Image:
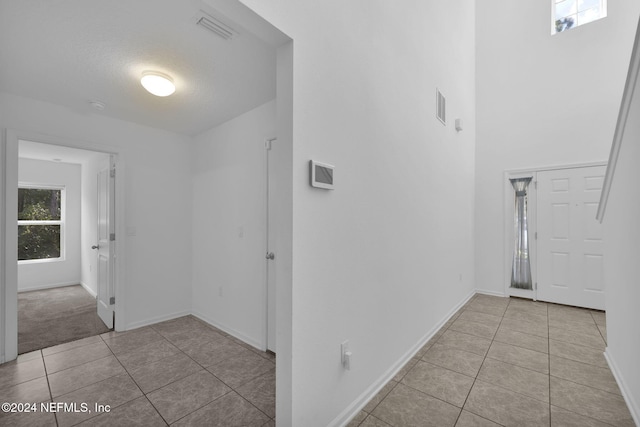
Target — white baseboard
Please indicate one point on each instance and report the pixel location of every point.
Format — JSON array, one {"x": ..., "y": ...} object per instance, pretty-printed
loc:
[
  {"x": 158, "y": 319},
  {"x": 175, "y": 315},
  {"x": 251, "y": 341},
  {"x": 491, "y": 293},
  {"x": 88, "y": 289},
  {"x": 47, "y": 286},
  {"x": 356, "y": 406},
  {"x": 632, "y": 403}
]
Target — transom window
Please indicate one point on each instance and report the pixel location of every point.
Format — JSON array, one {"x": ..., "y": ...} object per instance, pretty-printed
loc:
[
  {"x": 567, "y": 14},
  {"x": 40, "y": 223}
]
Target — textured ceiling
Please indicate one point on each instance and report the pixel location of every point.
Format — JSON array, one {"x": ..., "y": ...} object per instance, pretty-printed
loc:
[{"x": 70, "y": 52}]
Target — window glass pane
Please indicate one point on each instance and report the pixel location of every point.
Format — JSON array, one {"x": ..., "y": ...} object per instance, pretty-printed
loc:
[
  {"x": 39, "y": 204},
  {"x": 588, "y": 4},
  {"x": 565, "y": 8},
  {"x": 589, "y": 15},
  {"x": 38, "y": 241},
  {"x": 565, "y": 23}
]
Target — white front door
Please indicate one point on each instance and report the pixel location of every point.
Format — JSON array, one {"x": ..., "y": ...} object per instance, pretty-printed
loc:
[
  {"x": 106, "y": 245},
  {"x": 570, "y": 244},
  {"x": 271, "y": 244}
]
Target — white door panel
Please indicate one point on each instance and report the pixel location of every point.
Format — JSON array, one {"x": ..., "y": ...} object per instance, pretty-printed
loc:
[
  {"x": 570, "y": 244},
  {"x": 106, "y": 246}
]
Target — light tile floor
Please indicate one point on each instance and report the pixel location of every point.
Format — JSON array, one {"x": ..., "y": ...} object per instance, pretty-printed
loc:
[
  {"x": 497, "y": 361},
  {"x": 506, "y": 362},
  {"x": 182, "y": 372}
]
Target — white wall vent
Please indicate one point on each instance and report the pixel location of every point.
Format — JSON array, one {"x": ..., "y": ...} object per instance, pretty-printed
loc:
[
  {"x": 215, "y": 25},
  {"x": 441, "y": 107}
]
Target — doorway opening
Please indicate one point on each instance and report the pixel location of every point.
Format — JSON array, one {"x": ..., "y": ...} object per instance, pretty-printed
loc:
[
  {"x": 61, "y": 212},
  {"x": 138, "y": 147}
]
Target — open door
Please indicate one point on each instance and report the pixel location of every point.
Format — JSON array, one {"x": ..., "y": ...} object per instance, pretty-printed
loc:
[
  {"x": 271, "y": 244},
  {"x": 106, "y": 244}
]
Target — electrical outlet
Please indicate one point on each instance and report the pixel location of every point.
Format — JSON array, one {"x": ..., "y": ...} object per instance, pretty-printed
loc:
[{"x": 345, "y": 355}]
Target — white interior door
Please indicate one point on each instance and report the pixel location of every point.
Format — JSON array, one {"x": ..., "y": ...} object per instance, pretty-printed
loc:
[
  {"x": 570, "y": 242},
  {"x": 106, "y": 245},
  {"x": 271, "y": 244}
]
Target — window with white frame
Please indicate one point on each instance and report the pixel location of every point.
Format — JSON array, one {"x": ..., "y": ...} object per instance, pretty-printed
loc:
[
  {"x": 41, "y": 212},
  {"x": 567, "y": 14}
]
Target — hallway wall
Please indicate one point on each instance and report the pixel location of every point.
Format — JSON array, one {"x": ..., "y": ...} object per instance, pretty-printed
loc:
[
  {"x": 388, "y": 253},
  {"x": 621, "y": 263},
  {"x": 542, "y": 100},
  {"x": 229, "y": 223}
]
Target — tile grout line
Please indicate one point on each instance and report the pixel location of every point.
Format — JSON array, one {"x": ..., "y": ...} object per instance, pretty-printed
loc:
[
  {"x": 104, "y": 340},
  {"x": 134, "y": 381},
  {"x": 478, "y": 373},
  {"x": 46, "y": 375},
  {"x": 231, "y": 389},
  {"x": 146, "y": 395},
  {"x": 195, "y": 410},
  {"x": 598, "y": 328},
  {"x": 550, "y": 375},
  {"x": 442, "y": 329}
]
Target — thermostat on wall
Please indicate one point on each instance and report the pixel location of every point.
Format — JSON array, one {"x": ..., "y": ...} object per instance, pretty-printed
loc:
[{"x": 321, "y": 175}]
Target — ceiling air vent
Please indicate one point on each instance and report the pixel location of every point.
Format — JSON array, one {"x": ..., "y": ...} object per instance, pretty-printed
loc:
[
  {"x": 216, "y": 26},
  {"x": 441, "y": 107}
]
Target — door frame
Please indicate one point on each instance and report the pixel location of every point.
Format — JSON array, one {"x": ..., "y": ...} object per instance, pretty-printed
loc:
[
  {"x": 268, "y": 144},
  {"x": 9, "y": 234},
  {"x": 508, "y": 197}
]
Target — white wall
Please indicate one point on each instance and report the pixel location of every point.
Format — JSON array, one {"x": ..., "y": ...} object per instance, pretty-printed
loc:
[
  {"x": 386, "y": 255},
  {"x": 621, "y": 263},
  {"x": 542, "y": 100},
  {"x": 157, "y": 258},
  {"x": 229, "y": 223},
  {"x": 89, "y": 213},
  {"x": 65, "y": 272}
]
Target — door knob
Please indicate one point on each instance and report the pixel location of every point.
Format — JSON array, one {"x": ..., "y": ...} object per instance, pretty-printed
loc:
[
  {"x": 95, "y": 247},
  {"x": 270, "y": 255}
]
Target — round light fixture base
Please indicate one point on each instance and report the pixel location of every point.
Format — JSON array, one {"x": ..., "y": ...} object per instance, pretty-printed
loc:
[{"x": 158, "y": 84}]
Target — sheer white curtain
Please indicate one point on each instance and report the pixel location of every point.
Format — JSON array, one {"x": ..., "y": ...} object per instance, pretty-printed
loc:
[{"x": 521, "y": 267}]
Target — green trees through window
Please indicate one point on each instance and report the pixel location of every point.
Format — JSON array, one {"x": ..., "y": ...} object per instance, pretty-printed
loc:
[{"x": 39, "y": 223}]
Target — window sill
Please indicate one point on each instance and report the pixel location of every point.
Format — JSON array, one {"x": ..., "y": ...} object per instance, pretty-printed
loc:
[{"x": 40, "y": 261}]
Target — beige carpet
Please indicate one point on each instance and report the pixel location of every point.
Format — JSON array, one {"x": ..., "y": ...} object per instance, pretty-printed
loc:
[{"x": 55, "y": 316}]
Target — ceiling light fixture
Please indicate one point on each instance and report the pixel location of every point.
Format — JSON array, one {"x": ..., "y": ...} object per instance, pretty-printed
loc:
[{"x": 157, "y": 84}]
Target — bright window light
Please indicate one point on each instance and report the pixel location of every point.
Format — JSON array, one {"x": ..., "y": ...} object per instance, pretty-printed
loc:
[
  {"x": 41, "y": 216},
  {"x": 568, "y": 14}
]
